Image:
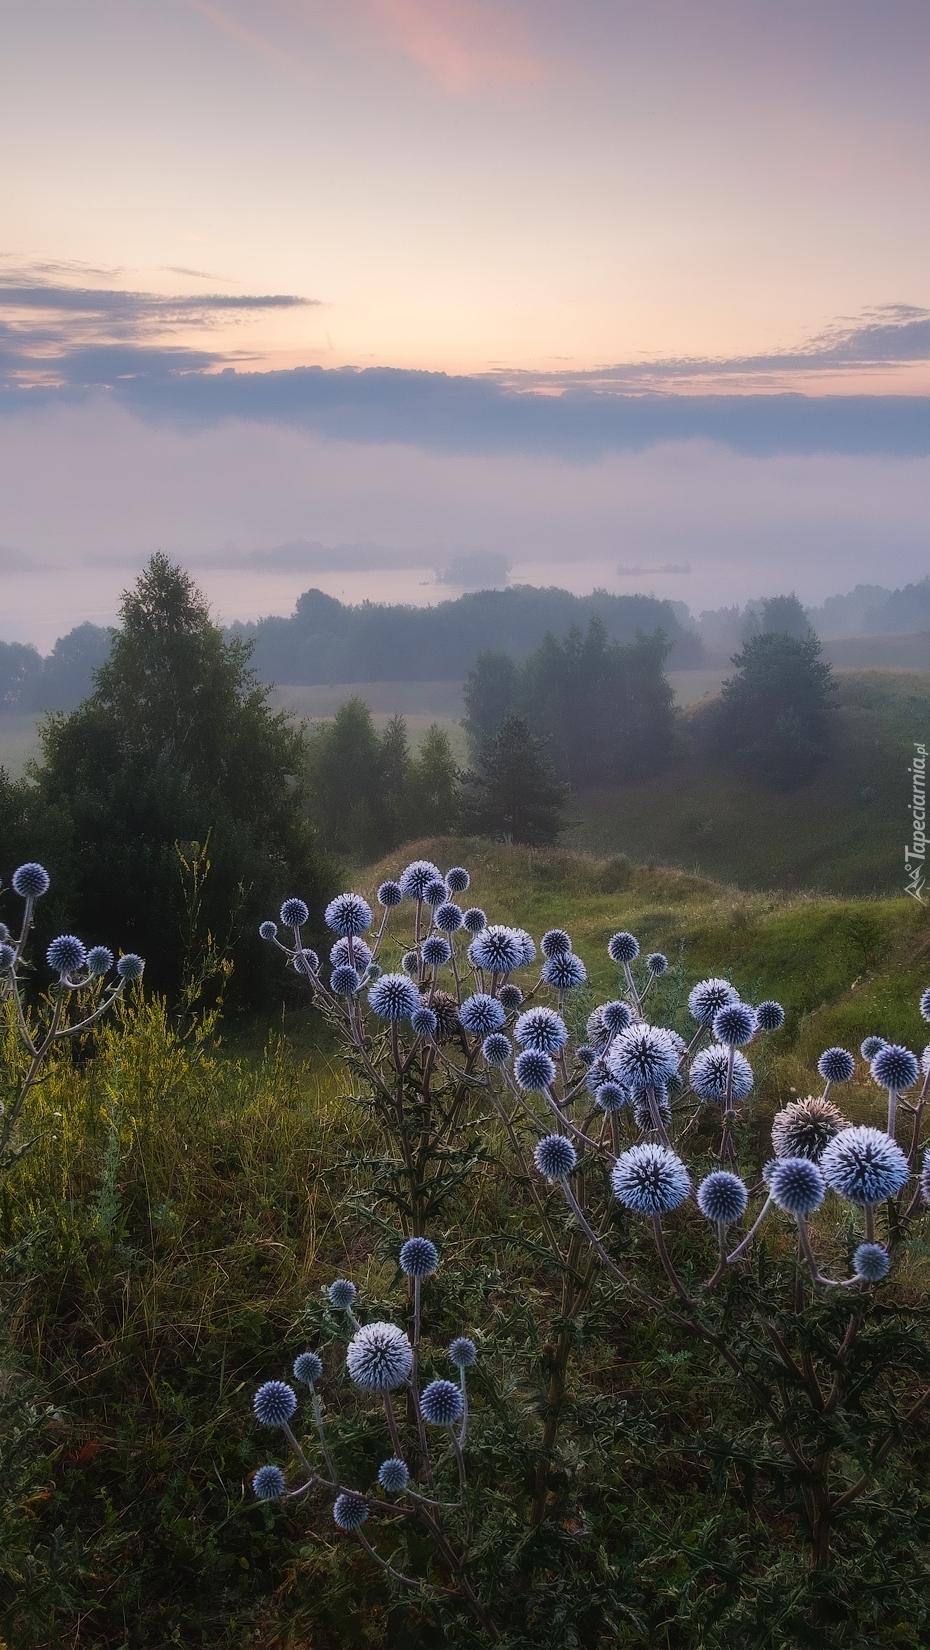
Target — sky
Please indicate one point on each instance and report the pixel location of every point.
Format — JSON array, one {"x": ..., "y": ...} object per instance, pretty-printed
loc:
[{"x": 628, "y": 294}]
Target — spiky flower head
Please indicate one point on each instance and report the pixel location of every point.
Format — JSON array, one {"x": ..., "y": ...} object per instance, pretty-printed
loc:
[
  {"x": 30, "y": 881},
  {"x": 555, "y": 1157},
  {"x": 474, "y": 920},
  {"x": 527, "y": 946},
  {"x": 379, "y": 1357},
  {"x": 341, "y": 1294},
  {"x": 612, "y": 1097},
  {"x": 836, "y": 1065},
  {"x": 657, "y": 963},
  {"x": 925, "y": 1060},
  {"x": 597, "y": 1073},
  {"x": 268, "y": 930},
  {"x": 417, "y": 878},
  {"x": 871, "y": 1262},
  {"x": 734, "y": 1024},
  {"x": 534, "y": 1071},
  {"x": 393, "y": 1475},
  {"x": 7, "y": 956},
  {"x": 870, "y": 1047},
  {"x": 555, "y": 943},
  {"x": 394, "y": 997},
  {"x": 642, "y": 1056},
  {"x": 350, "y": 1510},
  {"x": 796, "y": 1185},
  {"x": 390, "y": 894},
  {"x": 564, "y": 971},
  {"x": 348, "y": 914},
  {"x": 623, "y": 948},
  {"x": 294, "y": 913},
  {"x": 360, "y": 956},
  {"x": 5, "y": 935},
  {"x": 722, "y": 1197},
  {"x": 130, "y": 967},
  {"x": 804, "y": 1128},
  {"x": 482, "y": 1013},
  {"x": 419, "y": 1258},
  {"x": 650, "y": 1179},
  {"x": 442, "y": 1404},
  {"x": 446, "y": 1010},
  {"x": 864, "y": 1165},
  {"x": 541, "y": 1028},
  {"x": 615, "y": 1017},
  {"x": 457, "y": 880},
  {"x": 709, "y": 1074},
  {"x": 895, "y": 1067},
  {"x": 496, "y": 1049},
  {"x": 708, "y": 997},
  {"x": 448, "y": 917},
  {"x": 436, "y": 951},
  {"x": 925, "y": 1177},
  {"x": 306, "y": 962},
  {"x": 435, "y": 893},
  {"x": 510, "y": 997},
  {"x": 424, "y": 1021},
  {"x": 410, "y": 963},
  {"x": 585, "y": 1055},
  {"x": 308, "y": 1368},
  {"x": 463, "y": 1352},
  {"x": 770, "y": 1016},
  {"x": 925, "y": 1003},
  {"x": 274, "y": 1403},
  {"x": 66, "y": 955},
  {"x": 100, "y": 960},
  {"x": 345, "y": 980},
  {"x": 643, "y": 1107},
  {"x": 269, "y": 1483},
  {"x": 496, "y": 949}
]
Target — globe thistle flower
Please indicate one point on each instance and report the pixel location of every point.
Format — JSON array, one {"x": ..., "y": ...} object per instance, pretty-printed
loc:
[
  {"x": 871, "y": 1262},
  {"x": 66, "y": 955},
  {"x": 269, "y": 1483},
  {"x": 770, "y": 1016},
  {"x": 895, "y": 1067},
  {"x": 564, "y": 971},
  {"x": 417, "y": 878},
  {"x": 614, "y": 1017},
  {"x": 541, "y": 1028},
  {"x": 394, "y": 997},
  {"x": 555, "y": 1157},
  {"x": 360, "y": 956},
  {"x": 348, "y": 914},
  {"x": 442, "y": 1404},
  {"x": 345, "y": 980},
  {"x": 446, "y": 1010},
  {"x": 7, "y": 957},
  {"x": 864, "y": 1165},
  {"x": 474, "y": 920},
  {"x": 597, "y": 1073},
  {"x": 393, "y": 1475},
  {"x": 534, "y": 1071},
  {"x": 482, "y": 1013},
  {"x": 650, "y": 1179},
  {"x": 390, "y": 894},
  {"x": 306, "y": 962},
  {"x": 708, "y": 997},
  {"x": 130, "y": 967},
  {"x": 30, "y": 881},
  {"x": 410, "y": 963},
  {"x": 870, "y": 1047},
  {"x": 595, "y": 1029},
  {"x": 510, "y": 997},
  {"x": 555, "y": 943},
  {"x": 435, "y": 951},
  {"x": 804, "y": 1128},
  {"x": 379, "y": 1357},
  {"x": 5, "y": 935},
  {"x": 457, "y": 880},
  {"x": 424, "y": 1021},
  {"x": 463, "y": 1352},
  {"x": 496, "y": 1049},
  {"x": 722, "y": 1197},
  {"x": 925, "y": 1003},
  {"x": 341, "y": 1294},
  {"x": 642, "y": 1056},
  {"x": 585, "y": 1055},
  {"x": 294, "y": 913},
  {"x": 611, "y": 1097},
  {"x": 350, "y": 1510},
  {"x": 709, "y": 1074},
  {"x": 308, "y": 1368},
  {"x": 497, "y": 949},
  {"x": 642, "y": 1107},
  {"x": 448, "y": 917},
  {"x": 623, "y": 948},
  {"x": 528, "y": 947},
  {"x": 274, "y": 1403},
  {"x": 419, "y": 1258},
  {"x": 435, "y": 893},
  {"x": 925, "y": 1177},
  {"x": 836, "y": 1065},
  {"x": 734, "y": 1024},
  {"x": 657, "y": 963},
  {"x": 796, "y": 1185},
  {"x": 99, "y": 960}
]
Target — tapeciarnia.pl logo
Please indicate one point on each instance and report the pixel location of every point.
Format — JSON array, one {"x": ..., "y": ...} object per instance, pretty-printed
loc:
[{"x": 917, "y": 852}]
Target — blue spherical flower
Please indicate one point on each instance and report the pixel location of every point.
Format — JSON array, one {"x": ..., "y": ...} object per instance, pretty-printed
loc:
[
  {"x": 722, "y": 1197},
  {"x": 436, "y": 951},
  {"x": 496, "y": 949},
  {"x": 555, "y": 1157},
  {"x": 350, "y": 1510},
  {"x": 836, "y": 1065},
  {"x": 442, "y": 1404},
  {"x": 99, "y": 959},
  {"x": 597, "y": 1073},
  {"x": 650, "y": 1179},
  {"x": 268, "y": 930},
  {"x": 379, "y": 1357},
  {"x": 417, "y": 878},
  {"x": 864, "y": 1165},
  {"x": 341, "y": 1294},
  {"x": 527, "y": 947},
  {"x": 274, "y": 1403},
  {"x": 871, "y": 1046},
  {"x": 66, "y": 955},
  {"x": 294, "y": 913},
  {"x": 895, "y": 1067},
  {"x": 623, "y": 948},
  {"x": 496, "y": 1049},
  {"x": 30, "y": 881},
  {"x": 424, "y": 1022},
  {"x": 394, "y": 997},
  {"x": 457, "y": 879},
  {"x": 390, "y": 894},
  {"x": 555, "y": 943},
  {"x": 410, "y": 963},
  {"x": 130, "y": 967},
  {"x": 925, "y": 1003},
  {"x": 541, "y": 1028},
  {"x": 307, "y": 1368},
  {"x": 463, "y": 1352},
  {"x": 435, "y": 894},
  {"x": 345, "y": 980},
  {"x": 612, "y": 1097},
  {"x": 7, "y": 956},
  {"x": 360, "y": 956},
  {"x": 510, "y": 997},
  {"x": 796, "y": 1185},
  {"x": 614, "y": 1017},
  {"x": 482, "y": 1013},
  {"x": 269, "y": 1483},
  {"x": 448, "y": 917},
  {"x": 418, "y": 1257},
  {"x": 708, "y": 997},
  {"x": 306, "y": 962},
  {"x": 657, "y": 963},
  {"x": 871, "y": 1262},
  {"x": 709, "y": 1074},
  {"x": 474, "y": 920},
  {"x": 642, "y": 1056},
  {"x": 734, "y": 1024},
  {"x": 585, "y": 1055},
  {"x": 348, "y": 914},
  {"x": 564, "y": 971},
  {"x": 770, "y": 1016},
  {"x": 534, "y": 1071},
  {"x": 393, "y": 1475}
]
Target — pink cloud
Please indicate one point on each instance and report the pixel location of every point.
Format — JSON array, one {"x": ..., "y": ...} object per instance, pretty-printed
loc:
[{"x": 465, "y": 45}]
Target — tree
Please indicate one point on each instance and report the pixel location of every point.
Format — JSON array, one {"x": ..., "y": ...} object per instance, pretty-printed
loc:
[
  {"x": 515, "y": 793},
  {"x": 773, "y": 715},
  {"x": 784, "y": 615},
  {"x": 367, "y": 793},
  {"x": 431, "y": 804},
  {"x": 491, "y": 691}
]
